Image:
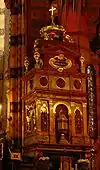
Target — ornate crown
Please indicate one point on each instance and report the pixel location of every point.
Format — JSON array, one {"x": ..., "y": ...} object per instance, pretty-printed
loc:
[{"x": 52, "y": 32}]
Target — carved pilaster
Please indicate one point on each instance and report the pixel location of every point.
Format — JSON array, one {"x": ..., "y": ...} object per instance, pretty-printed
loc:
[
  {"x": 52, "y": 118},
  {"x": 52, "y": 122},
  {"x": 38, "y": 120},
  {"x": 85, "y": 118},
  {"x": 73, "y": 117}
]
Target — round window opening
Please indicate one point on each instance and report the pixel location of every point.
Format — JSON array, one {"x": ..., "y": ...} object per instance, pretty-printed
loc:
[
  {"x": 60, "y": 83},
  {"x": 43, "y": 81},
  {"x": 77, "y": 84}
]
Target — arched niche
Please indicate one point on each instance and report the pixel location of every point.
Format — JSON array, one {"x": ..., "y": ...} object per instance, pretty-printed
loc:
[
  {"x": 64, "y": 103},
  {"x": 61, "y": 121}
]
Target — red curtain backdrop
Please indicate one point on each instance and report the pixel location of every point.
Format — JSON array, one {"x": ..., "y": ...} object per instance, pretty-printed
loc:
[{"x": 73, "y": 15}]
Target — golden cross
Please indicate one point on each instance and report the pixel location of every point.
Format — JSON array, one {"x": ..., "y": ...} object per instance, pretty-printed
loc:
[{"x": 52, "y": 9}]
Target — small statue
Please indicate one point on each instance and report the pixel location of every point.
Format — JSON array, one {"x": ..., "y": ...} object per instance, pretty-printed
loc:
[
  {"x": 44, "y": 108},
  {"x": 38, "y": 60},
  {"x": 82, "y": 67},
  {"x": 30, "y": 118},
  {"x": 44, "y": 117}
]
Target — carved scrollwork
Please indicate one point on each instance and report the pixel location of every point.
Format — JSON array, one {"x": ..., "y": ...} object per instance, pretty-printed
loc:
[{"x": 60, "y": 62}]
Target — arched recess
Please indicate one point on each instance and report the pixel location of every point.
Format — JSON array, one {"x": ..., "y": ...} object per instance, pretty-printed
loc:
[
  {"x": 64, "y": 103},
  {"x": 62, "y": 112}
]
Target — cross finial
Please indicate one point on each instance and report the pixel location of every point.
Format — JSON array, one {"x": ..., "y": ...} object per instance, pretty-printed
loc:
[{"x": 52, "y": 9}]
